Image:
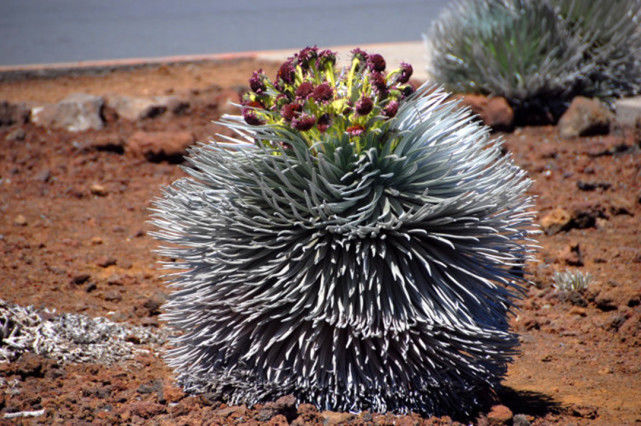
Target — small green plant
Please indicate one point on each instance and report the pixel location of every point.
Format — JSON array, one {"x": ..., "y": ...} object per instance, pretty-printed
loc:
[{"x": 571, "y": 281}]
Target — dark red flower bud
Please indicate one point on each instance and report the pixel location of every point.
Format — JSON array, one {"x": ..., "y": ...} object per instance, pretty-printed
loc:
[
  {"x": 303, "y": 122},
  {"x": 391, "y": 109},
  {"x": 304, "y": 90},
  {"x": 360, "y": 54},
  {"x": 286, "y": 72},
  {"x": 289, "y": 111},
  {"x": 307, "y": 55},
  {"x": 364, "y": 105},
  {"x": 347, "y": 111},
  {"x": 355, "y": 130},
  {"x": 256, "y": 82},
  {"x": 407, "y": 90},
  {"x": 376, "y": 62},
  {"x": 251, "y": 117},
  {"x": 379, "y": 83},
  {"x": 406, "y": 72},
  {"x": 326, "y": 57},
  {"x": 324, "y": 122},
  {"x": 253, "y": 104},
  {"x": 323, "y": 92}
]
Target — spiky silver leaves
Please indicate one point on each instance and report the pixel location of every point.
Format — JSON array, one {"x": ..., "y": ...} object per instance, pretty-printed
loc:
[
  {"x": 537, "y": 51},
  {"x": 380, "y": 279}
]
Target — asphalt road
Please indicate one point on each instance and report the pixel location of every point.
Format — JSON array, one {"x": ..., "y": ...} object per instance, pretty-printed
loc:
[{"x": 49, "y": 31}]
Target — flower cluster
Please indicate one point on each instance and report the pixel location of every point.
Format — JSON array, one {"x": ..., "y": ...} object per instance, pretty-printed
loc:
[{"x": 309, "y": 96}]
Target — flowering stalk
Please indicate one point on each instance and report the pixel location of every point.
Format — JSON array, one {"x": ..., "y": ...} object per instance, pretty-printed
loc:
[{"x": 311, "y": 97}]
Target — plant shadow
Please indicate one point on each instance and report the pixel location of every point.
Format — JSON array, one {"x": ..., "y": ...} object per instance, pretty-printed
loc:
[{"x": 528, "y": 402}]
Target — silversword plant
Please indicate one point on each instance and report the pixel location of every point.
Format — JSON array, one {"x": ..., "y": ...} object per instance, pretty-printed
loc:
[
  {"x": 571, "y": 281},
  {"x": 538, "y": 54},
  {"x": 357, "y": 245}
]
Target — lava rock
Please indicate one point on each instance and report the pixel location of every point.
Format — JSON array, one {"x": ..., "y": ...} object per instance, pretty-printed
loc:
[
  {"x": 138, "y": 108},
  {"x": 585, "y": 117},
  {"x": 556, "y": 221},
  {"x": 16, "y": 135},
  {"x": 20, "y": 220},
  {"x": 521, "y": 420},
  {"x": 80, "y": 279},
  {"x": 335, "y": 418},
  {"x": 159, "y": 146},
  {"x": 76, "y": 113},
  {"x": 13, "y": 113},
  {"x": 591, "y": 186},
  {"x": 499, "y": 415},
  {"x": 98, "y": 189},
  {"x": 496, "y": 112},
  {"x": 153, "y": 304},
  {"x": 105, "y": 262}
]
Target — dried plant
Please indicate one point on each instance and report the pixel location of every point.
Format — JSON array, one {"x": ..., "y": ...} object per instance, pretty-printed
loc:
[{"x": 355, "y": 270}]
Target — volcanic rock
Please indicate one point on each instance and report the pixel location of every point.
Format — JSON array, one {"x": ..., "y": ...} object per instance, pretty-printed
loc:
[
  {"x": 76, "y": 113},
  {"x": 585, "y": 117},
  {"x": 158, "y": 146},
  {"x": 494, "y": 111}
]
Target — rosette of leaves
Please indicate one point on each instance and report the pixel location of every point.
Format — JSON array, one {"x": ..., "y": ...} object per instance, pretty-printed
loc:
[
  {"x": 612, "y": 39},
  {"x": 354, "y": 270},
  {"x": 517, "y": 49},
  {"x": 538, "y": 54}
]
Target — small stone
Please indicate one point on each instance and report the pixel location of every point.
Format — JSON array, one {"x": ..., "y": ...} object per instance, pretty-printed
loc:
[
  {"x": 335, "y": 418},
  {"x": 91, "y": 287},
  {"x": 591, "y": 186},
  {"x": 278, "y": 420},
  {"x": 618, "y": 205},
  {"x": 577, "y": 310},
  {"x": 115, "y": 280},
  {"x": 499, "y": 415},
  {"x": 137, "y": 108},
  {"x": 304, "y": 409},
  {"x": 80, "y": 279},
  {"x": 495, "y": 112},
  {"x": 605, "y": 302},
  {"x": 521, "y": 420},
  {"x": 16, "y": 135},
  {"x": 585, "y": 117},
  {"x": 105, "y": 262},
  {"x": 96, "y": 241},
  {"x": 159, "y": 146},
  {"x": 20, "y": 220},
  {"x": 146, "y": 409},
  {"x": 154, "y": 303},
  {"x": 77, "y": 112},
  {"x": 113, "y": 296},
  {"x": 98, "y": 189},
  {"x": 556, "y": 221},
  {"x": 13, "y": 113},
  {"x": 44, "y": 176}
]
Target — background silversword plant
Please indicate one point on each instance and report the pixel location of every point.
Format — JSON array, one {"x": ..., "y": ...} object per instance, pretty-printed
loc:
[
  {"x": 538, "y": 54},
  {"x": 368, "y": 271}
]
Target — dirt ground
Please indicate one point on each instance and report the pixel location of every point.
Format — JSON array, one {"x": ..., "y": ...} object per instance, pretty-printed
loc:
[{"x": 66, "y": 245}]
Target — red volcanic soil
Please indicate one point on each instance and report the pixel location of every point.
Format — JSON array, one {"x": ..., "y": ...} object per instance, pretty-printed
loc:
[{"x": 75, "y": 204}]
